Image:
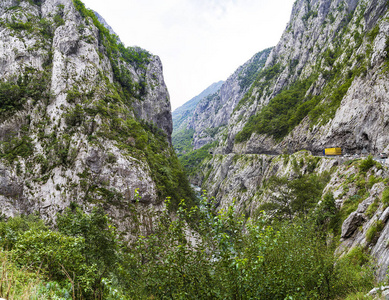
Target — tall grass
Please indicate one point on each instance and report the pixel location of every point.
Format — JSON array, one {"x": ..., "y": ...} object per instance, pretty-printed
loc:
[{"x": 17, "y": 283}]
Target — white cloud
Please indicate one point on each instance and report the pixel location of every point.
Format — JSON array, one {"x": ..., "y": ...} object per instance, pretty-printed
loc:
[{"x": 199, "y": 41}]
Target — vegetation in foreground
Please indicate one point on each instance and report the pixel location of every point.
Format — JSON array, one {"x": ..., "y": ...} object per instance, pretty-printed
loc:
[{"x": 197, "y": 254}]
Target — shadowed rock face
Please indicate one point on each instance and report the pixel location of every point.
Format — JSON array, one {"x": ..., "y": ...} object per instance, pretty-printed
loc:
[
  {"x": 9, "y": 187},
  {"x": 155, "y": 106},
  {"x": 71, "y": 139},
  {"x": 349, "y": 226}
]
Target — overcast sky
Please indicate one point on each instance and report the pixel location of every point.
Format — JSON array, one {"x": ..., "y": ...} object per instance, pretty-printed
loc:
[{"x": 199, "y": 41}]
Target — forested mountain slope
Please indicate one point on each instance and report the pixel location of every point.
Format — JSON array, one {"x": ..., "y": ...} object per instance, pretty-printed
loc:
[
  {"x": 207, "y": 123},
  {"x": 84, "y": 120}
]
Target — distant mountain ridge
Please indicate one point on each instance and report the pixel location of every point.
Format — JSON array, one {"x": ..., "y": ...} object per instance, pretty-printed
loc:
[
  {"x": 182, "y": 114},
  {"x": 105, "y": 24},
  {"x": 212, "y": 114}
]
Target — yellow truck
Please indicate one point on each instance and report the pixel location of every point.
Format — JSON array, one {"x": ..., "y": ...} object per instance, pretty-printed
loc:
[{"x": 332, "y": 151}]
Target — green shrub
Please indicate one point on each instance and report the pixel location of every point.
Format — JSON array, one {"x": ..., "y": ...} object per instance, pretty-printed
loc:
[
  {"x": 10, "y": 96},
  {"x": 53, "y": 251},
  {"x": 17, "y": 282},
  {"x": 372, "y": 181},
  {"x": 15, "y": 147},
  {"x": 291, "y": 260},
  {"x": 75, "y": 117},
  {"x": 358, "y": 256},
  {"x": 372, "y": 234},
  {"x": 372, "y": 208},
  {"x": 18, "y": 26},
  {"x": 385, "y": 196},
  {"x": 366, "y": 164},
  {"x": 361, "y": 183},
  {"x": 281, "y": 115}
]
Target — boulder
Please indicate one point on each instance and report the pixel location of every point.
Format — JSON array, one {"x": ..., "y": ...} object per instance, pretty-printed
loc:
[{"x": 353, "y": 221}]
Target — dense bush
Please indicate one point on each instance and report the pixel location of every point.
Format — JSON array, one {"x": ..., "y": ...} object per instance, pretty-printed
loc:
[
  {"x": 82, "y": 252},
  {"x": 235, "y": 259},
  {"x": 182, "y": 141},
  {"x": 15, "y": 147},
  {"x": 191, "y": 161},
  {"x": 281, "y": 115},
  {"x": 366, "y": 164},
  {"x": 297, "y": 197},
  {"x": 14, "y": 94},
  {"x": 385, "y": 196},
  {"x": 220, "y": 255},
  {"x": 373, "y": 232}
]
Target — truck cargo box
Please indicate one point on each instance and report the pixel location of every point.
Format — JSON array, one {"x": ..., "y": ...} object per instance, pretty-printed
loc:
[{"x": 333, "y": 151}]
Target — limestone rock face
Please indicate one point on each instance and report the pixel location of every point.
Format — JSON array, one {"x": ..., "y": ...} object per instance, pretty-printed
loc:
[
  {"x": 317, "y": 30},
  {"x": 215, "y": 111},
  {"x": 351, "y": 224},
  {"x": 184, "y": 113},
  {"x": 342, "y": 46},
  {"x": 155, "y": 107},
  {"x": 339, "y": 49},
  {"x": 337, "y": 44},
  {"x": 82, "y": 117}
]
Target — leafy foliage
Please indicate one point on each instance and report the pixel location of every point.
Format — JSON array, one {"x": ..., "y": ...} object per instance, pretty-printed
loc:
[
  {"x": 220, "y": 255},
  {"x": 191, "y": 161},
  {"x": 182, "y": 141},
  {"x": 15, "y": 147},
  {"x": 281, "y": 115},
  {"x": 251, "y": 72},
  {"x": 385, "y": 196},
  {"x": 14, "y": 94},
  {"x": 77, "y": 256},
  {"x": 291, "y": 198},
  {"x": 366, "y": 164},
  {"x": 372, "y": 234},
  {"x": 234, "y": 259}
]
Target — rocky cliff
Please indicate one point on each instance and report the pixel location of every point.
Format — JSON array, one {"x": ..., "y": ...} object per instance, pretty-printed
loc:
[
  {"x": 213, "y": 112},
  {"x": 323, "y": 85},
  {"x": 335, "y": 53},
  {"x": 84, "y": 120},
  {"x": 351, "y": 195},
  {"x": 182, "y": 114}
]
